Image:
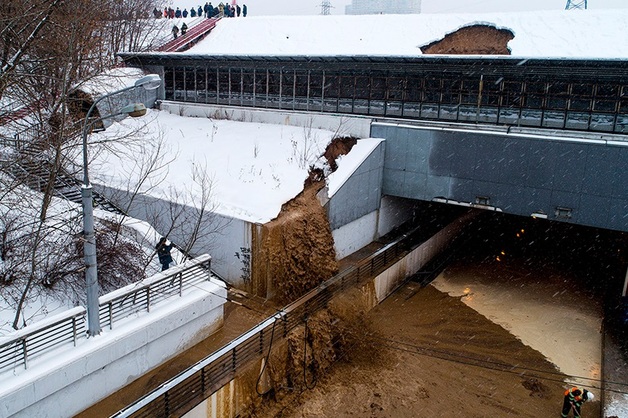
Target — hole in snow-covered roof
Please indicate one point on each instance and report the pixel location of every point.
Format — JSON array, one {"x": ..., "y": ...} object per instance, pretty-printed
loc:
[{"x": 475, "y": 39}]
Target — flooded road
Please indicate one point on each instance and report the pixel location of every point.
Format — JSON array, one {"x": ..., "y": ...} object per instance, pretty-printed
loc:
[
  {"x": 542, "y": 308},
  {"x": 551, "y": 286}
]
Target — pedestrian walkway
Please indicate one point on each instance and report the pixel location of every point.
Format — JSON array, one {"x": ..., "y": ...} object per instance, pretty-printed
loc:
[{"x": 194, "y": 34}]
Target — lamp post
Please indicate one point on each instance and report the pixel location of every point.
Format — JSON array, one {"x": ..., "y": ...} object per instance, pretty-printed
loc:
[{"x": 150, "y": 82}]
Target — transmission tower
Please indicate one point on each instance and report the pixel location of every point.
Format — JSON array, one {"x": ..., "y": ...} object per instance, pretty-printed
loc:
[
  {"x": 326, "y": 7},
  {"x": 576, "y": 4}
]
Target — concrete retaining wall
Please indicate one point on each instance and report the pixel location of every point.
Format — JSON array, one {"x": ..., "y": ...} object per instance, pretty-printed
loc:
[
  {"x": 388, "y": 281},
  {"x": 227, "y": 239},
  {"x": 356, "y": 126},
  {"x": 75, "y": 378},
  {"x": 355, "y": 235}
]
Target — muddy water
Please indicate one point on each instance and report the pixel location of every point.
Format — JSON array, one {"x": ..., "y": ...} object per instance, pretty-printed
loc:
[
  {"x": 545, "y": 282},
  {"x": 544, "y": 308}
]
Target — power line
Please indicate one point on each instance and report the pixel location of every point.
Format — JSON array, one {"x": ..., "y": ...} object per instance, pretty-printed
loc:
[
  {"x": 326, "y": 7},
  {"x": 576, "y": 4}
]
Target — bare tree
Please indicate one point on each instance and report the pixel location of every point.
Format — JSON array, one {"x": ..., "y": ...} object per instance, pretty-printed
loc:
[
  {"x": 187, "y": 213},
  {"x": 132, "y": 26},
  {"x": 47, "y": 49},
  {"x": 21, "y": 25}
]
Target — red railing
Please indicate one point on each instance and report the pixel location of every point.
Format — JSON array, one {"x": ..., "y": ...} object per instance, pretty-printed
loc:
[{"x": 192, "y": 36}]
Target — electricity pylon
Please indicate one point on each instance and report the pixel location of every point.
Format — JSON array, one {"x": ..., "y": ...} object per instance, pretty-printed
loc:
[
  {"x": 326, "y": 7},
  {"x": 576, "y": 4}
]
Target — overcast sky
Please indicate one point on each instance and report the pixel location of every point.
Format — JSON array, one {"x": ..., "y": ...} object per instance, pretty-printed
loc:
[{"x": 312, "y": 7}]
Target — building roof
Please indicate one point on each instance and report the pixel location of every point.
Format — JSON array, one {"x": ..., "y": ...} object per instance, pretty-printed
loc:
[{"x": 559, "y": 34}]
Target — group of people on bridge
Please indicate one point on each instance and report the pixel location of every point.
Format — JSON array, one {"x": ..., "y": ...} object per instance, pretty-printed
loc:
[{"x": 208, "y": 11}]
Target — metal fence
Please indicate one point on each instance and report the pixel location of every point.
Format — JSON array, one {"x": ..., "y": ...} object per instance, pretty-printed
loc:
[
  {"x": 577, "y": 95},
  {"x": 68, "y": 328},
  {"x": 182, "y": 393}
]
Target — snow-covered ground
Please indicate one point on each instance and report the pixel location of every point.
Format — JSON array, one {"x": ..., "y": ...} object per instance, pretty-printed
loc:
[
  {"x": 590, "y": 34},
  {"x": 65, "y": 218},
  {"x": 254, "y": 167}
]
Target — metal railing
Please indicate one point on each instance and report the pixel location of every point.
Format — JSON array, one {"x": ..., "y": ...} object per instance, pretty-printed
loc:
[
  {"x": 34, "y": 341},
  {"x": 69, "y": 328},
  {"x": 123, "y": 303},
  {"x": 188, "y": 389}
]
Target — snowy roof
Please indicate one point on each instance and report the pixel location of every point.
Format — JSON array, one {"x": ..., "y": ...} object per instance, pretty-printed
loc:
[
  {"x": 254, "y": 167},
  {"x": 112, "y": 80},
  {"x": 562, "y": 34}
]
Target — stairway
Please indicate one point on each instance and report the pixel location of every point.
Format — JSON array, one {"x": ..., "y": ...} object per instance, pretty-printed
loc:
[
  {"x": 33, "y": 170},
  {"x": 192, "y": 36}
]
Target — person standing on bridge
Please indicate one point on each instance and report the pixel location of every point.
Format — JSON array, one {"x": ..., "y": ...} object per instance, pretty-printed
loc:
[
  {"x": 184, "y": 29},
  {"x": 175, "y": 31},
  {"x": 163, "y": 252},
  {"x": 574, "y": 398}
]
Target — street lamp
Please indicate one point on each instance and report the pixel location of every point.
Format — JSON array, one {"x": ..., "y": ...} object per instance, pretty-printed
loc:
[{"x": 149, "y": 82}]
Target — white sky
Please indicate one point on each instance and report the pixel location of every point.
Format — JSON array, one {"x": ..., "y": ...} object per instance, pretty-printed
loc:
[{"x": 312, "y": 7}]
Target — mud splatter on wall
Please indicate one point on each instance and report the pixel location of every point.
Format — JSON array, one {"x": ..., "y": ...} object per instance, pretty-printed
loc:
[{"x": 294, "y": 252}]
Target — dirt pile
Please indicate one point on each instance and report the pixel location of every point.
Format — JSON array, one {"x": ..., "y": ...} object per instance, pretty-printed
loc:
[
  {"x": 472, "y": 40},
  {"x": 340, "y": 334},
  {"x": 296, "y": 249},
  {"x": 295, "y": 252},
  {"x": 336, "y": 148}
]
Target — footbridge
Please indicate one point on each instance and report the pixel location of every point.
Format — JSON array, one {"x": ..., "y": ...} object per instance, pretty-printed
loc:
[{"x": 199, "y": 28}]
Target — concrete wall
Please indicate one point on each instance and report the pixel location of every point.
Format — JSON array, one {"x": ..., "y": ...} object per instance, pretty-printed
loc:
[
  {"x": 357, "y": 234},
  {"x": 518, "y": 174},
  {"x": 361, "y": 192},
  {"x": 345, "y": 126},
  {"x": 393, "y": 212},
  {"x": 388, "y": 281},
  {"x": 73, "y": 379},
  {"x": 226, "y": 239},
  {"x": 222, "y": 403}
]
